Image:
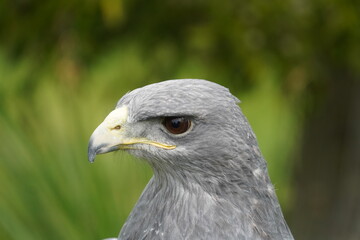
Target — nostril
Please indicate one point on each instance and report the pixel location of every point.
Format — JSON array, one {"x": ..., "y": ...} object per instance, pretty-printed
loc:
[{"x": 117, "y": 127}]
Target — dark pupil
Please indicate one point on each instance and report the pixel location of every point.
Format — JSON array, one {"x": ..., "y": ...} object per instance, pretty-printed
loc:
[{"x": 175, "y": 123}]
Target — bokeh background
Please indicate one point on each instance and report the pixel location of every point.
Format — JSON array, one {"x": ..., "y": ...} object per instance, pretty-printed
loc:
[{"x": 295, "y": 64}]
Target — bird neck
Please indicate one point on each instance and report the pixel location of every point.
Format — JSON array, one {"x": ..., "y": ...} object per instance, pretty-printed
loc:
[
  {"x": 243, "y": 194},
  {"x": 231, "y": 176},
  {"x": 183, "y": 206}
]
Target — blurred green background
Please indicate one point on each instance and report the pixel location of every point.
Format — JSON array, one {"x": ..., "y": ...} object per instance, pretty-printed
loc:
[{"x": 295, "y": 64}]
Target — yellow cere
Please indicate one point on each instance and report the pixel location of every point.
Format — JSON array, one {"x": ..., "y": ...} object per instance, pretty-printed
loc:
[{"x": 117, "y": 117}]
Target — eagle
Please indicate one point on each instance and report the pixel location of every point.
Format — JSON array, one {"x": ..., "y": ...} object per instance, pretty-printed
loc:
[{"x": 210, "y": 180}]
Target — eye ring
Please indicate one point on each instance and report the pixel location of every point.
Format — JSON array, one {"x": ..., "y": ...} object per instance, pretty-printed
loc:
[{"x": 176, "y": 125}]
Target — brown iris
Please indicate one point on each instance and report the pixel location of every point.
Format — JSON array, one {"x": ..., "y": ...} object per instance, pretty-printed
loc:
[{"x": 177, "y": 125}]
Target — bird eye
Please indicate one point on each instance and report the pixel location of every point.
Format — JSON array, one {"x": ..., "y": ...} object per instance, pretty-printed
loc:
[{"x": 177, "y": 125}]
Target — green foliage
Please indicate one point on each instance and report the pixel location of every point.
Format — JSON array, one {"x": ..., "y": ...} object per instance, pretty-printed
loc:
[
  {"x": 64, "y": 64},
  {"x": 47, "y": 186}
]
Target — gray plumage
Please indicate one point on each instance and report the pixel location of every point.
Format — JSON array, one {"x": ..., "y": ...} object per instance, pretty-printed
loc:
[{"x": 214, "y": 184}]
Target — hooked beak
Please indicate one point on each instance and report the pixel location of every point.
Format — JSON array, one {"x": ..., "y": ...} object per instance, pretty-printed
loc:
[
  {"x": 112, "y": 135},
  {"x": 99, "y": 143}
]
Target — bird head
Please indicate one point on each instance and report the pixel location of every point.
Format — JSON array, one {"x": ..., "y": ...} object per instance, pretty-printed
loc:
[
  {"x": 193, "y": 125},
  {"x": 193, "y": 132}
]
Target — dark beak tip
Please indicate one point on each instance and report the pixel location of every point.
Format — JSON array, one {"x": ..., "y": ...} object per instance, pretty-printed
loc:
[
  {"x": 91, "y": 152},
  {"x": 94, "y": 149},
  {"x": 91, "y": 157}
]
